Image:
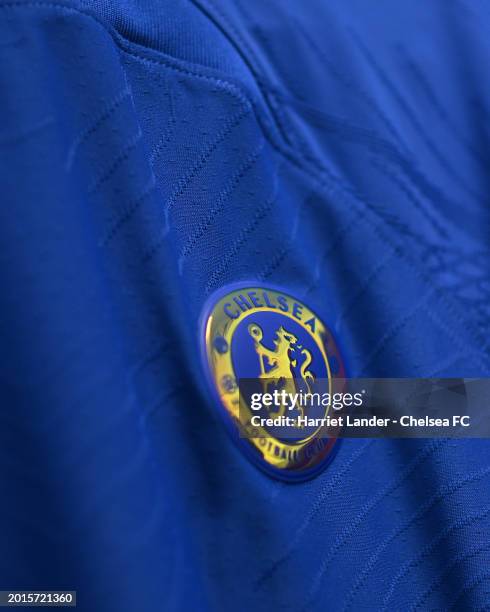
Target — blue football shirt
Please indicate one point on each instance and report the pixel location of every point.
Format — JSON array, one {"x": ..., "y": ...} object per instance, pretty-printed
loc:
[{"x": 155, "y": 152}]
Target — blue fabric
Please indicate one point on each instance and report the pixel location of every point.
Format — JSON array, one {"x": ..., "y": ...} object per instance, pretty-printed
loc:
[{"x": 152, "y": 152}]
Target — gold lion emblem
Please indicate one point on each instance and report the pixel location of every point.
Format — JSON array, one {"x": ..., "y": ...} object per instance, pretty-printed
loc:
[{"x": 276, "y": 366}]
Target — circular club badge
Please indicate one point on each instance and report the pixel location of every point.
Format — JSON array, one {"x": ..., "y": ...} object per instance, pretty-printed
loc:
[{"x": 264, "y": 339}]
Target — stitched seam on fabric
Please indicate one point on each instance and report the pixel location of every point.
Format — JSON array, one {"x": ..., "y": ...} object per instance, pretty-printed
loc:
[
  {"x": 315, "y": 507},
  {"x": 343, "y": 231},
  {"x": 475, "y": 551},
  {"x": 450, "y": 333},
  {"x": 417, "y": 559},
  {"x": 365, "y": 285},
  {"x": 185, "y": 181},
  {"x": 276, "y": 261},
  {"x": 220, "y": 203},
  {"x": 398, "y": 181},
  {"x": 250, "y": 60},
  {"x": 342, "y": 128},
  {"x": 162, "y": 143},
  {"x": 120, "y": 159},
  {"x": 469, "y": 586},
  {"x": 412, "y": 118},
  {"x": 393, "y": 331},
  {"x": 370, "y": 505},
  {"x": 158, "y": 243},
  {"x": 131, "y": 208},
  {"x": 396, "y": 156},
  {"x": 203, "y": 158},
  {"x": 444, "y": 117},
  {"x": 441, "y": 494},
  {"x": 295, "y": 137},
  {"x": 165, "y": 138},
  {"x": 97, "y": 122},
  {"x": 312, "y": 173},
  {"x": 237, "y": 245},
  {"x": 349, "y": 84},
  {"x": 135, "y": 51},
  {"x": 451, "y": 307},
  {"x": 280, "y": 257}
]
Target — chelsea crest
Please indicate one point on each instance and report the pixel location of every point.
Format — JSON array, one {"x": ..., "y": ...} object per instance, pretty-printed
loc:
[{"x": 265, "y": 339}]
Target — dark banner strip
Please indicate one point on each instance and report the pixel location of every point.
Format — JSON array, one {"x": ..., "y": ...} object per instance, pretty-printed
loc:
[{"x": 290, "y": 409}]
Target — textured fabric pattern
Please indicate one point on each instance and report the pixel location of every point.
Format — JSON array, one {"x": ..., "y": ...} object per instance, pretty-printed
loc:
[{"x": 152, "y": 152}]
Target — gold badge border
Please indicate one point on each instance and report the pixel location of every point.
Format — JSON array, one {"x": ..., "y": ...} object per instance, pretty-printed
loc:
[{"x": 277, "y": 453}]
